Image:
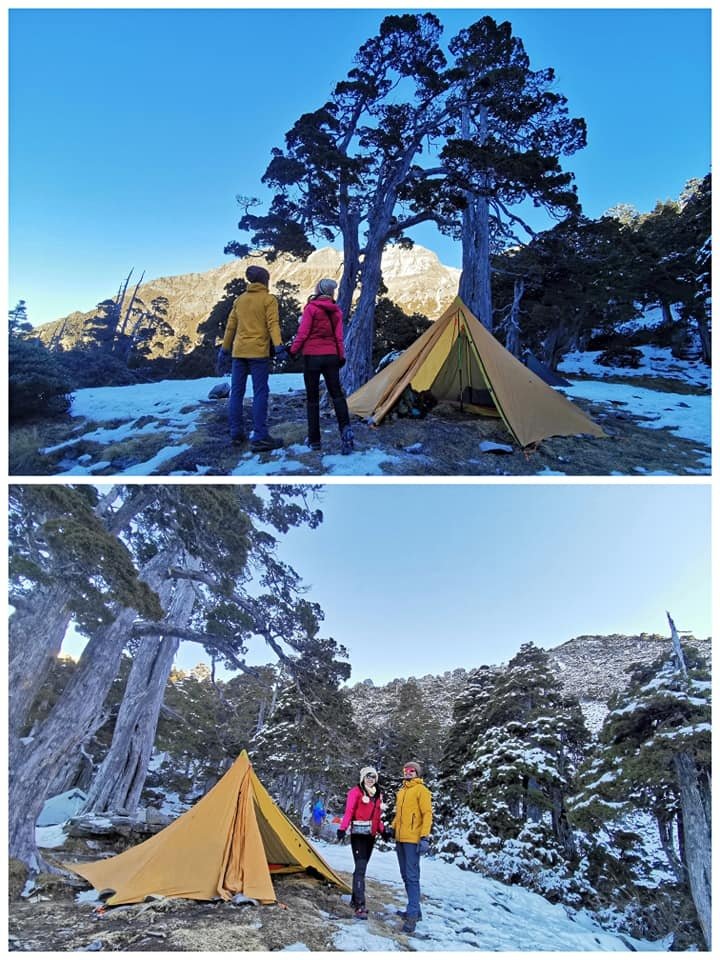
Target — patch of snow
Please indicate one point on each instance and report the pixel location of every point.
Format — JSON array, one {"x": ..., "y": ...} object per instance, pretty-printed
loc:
[
  {"x": 61, "y": 807},
  {"x": 655, "y": 362},
  {"x": 50, "y": 837}
]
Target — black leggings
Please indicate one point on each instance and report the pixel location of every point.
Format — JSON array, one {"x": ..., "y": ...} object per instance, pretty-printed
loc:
[
  {"x": 329, "y": 366},
  {"x": 362, "y": 847}
]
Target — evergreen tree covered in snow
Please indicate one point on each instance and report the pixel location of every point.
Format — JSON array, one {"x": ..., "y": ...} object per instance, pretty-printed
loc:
[
  {"x": 460, "y": 740},
  {"x": 528, "y": 740},
  {"x": 654, "y": 756}
]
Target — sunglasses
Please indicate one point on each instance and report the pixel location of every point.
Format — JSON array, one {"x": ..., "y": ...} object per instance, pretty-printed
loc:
[
  {"x": 409, "y": 770},
  {"x": 371, "y": 776}
]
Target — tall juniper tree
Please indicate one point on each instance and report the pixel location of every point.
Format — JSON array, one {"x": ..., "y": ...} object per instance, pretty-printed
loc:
[
  {"x": 530, "y": 739},
  {"x": 347, "y": 166},
  {"x": 221, "y": 519},
  {"x": 654, "y": 755},
  {"x": 512, "y": 130},
  {"x": 303, "y": 744}
]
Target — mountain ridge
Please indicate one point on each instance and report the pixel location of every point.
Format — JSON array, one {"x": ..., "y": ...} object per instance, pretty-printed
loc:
[
  {"x": 591, "y": 668},
  {"x": 416, "y": 280}
]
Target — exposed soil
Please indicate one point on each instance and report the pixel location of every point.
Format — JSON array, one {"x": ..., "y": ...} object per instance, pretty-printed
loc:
[
  {"x": 445, "y": 443},
  {"x": 307, "y": 912}
]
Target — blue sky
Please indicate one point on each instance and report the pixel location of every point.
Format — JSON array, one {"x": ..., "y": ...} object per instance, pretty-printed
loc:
[
  {"x": 132, "y": 130},
  {"x": 418, "y": 579}
]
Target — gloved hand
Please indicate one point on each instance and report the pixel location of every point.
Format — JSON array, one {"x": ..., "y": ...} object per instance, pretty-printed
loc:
[
  {"x": 341, "y": 835},
  {"x": 342, "y": 361},
  {"x": 223, "y": 363},
  {"x": 388, "y": 833},
  {"x": 281, "y": 353},
  {"x": 424, "y": 846}
]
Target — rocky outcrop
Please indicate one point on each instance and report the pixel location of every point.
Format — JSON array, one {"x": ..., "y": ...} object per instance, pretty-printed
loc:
[{"x": 591, "y": 668}]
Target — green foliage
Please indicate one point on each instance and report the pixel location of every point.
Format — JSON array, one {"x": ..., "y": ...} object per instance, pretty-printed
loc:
[
  {"x": 39, "y": 385},
  {"x": 17, "y": 319},
  {"x": 91, "y": 367},
  {"x": 205, "y": 724},
  {"x": 526, "y": 740},
  {"x": 304, "y": 743},
  {"x": 660, "y": 714},
  {"x": 56, "y": 537},
  {"x": 395, "y": 329}
]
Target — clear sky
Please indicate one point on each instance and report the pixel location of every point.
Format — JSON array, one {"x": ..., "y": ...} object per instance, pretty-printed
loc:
[
  {"x": 132, "y": 130},
  {"x": 418, "y": 579}
]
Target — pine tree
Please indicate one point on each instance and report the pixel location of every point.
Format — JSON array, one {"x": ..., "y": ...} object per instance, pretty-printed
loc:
[
  {"x": 524, "y": 759},
  {"x": 657, "y": 729},
  {"x": 303, "y": 747},
  {"x": 461, "y": 738}
]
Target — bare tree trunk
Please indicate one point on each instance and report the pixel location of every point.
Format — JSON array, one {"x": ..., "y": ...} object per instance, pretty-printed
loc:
[
  {"x": 697, "y": 833},
  {"x": 351, "y": 264},
  {"x": 512, "y": 340},
  {"x": 675, "y": 863},
  {"x": 121, "y": 776},
  {"x": 705, "y": 342},
  {"x": 361, "y": 331},
  {"x": 36, "y": 633},
  {"x": 475, "y": 284},
  {"x": 37, "y": 761},
  {"x": 475, "y": 289}
]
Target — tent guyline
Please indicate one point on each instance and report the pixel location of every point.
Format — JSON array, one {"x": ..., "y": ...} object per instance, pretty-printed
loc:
[
  {"x": 457, "y": 360},
  {"x": 229, "y": 843}
]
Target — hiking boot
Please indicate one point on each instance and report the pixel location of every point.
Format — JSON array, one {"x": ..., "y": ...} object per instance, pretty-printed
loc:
[
  {"x": 314, "y": 444},
  {"x": 409, "y": 925},
  {"x": 347, "y": 441},
  {"x": 403, "y": 914},
  {"x": 361, "y": 913},
  {"x": 238, "y": 439},
  {"x": 266, "y": 443}
]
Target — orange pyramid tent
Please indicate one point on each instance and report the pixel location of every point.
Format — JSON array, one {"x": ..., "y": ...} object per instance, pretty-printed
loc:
[
  {"x": 230, "y": 842},
  {"x": 458, "y": 359}
]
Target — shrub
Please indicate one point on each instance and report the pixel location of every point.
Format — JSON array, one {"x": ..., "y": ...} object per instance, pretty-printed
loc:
[
  {"x": 621, "y": 356},
  {"x": 39, "y": 384},
  {"x": 94, "y": 368}
]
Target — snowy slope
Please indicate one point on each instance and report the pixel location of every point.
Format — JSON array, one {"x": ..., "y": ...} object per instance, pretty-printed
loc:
[
  {"x": 463, "y": 911},
  {"x": 176, "y": 406}
]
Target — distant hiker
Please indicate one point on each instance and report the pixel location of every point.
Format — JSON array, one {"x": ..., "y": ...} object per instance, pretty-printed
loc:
[
  {"x": 363, "y": 815},
  {"x": 411, "y": 827},
  {"x": 321, "y": 343},
  {"x": 317, "y": 817},
  {"x": 252, "y": 329}
]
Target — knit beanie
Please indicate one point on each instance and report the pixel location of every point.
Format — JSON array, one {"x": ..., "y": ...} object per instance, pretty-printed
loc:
[
  {"x": 418, "y": 766},
  {"x": 255, "y": 274},
  {"x": 365, "y": 771},
  {"x": 326, "y": 288}
]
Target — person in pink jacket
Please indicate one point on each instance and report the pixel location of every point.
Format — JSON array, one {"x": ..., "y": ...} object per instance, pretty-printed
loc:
[
  {"x": 363, "y": 815},
  {"x": 320, "y": 342}
]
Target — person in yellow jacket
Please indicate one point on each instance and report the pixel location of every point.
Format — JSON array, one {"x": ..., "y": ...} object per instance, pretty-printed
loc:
[
  {"x": 252, "y": 329},
  {"x": 412, "y": 826}
]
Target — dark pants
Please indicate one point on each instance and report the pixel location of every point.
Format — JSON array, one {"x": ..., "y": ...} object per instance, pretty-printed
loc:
[
  {"x": 362, "y": 847},
  {"x": 258, "y": 368},
  {"x": 409, "y": 862},
  {"x": 329, "y": 367}
]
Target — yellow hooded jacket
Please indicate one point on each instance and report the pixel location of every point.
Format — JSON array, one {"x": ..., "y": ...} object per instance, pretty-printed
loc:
[
  {"x": 413, "y": 812},
  {"x": 253, "y": 323}
]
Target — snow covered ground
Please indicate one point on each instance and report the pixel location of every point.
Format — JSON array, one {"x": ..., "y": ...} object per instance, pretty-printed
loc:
[
  {"x": 176, "y": 407},
  {"x": 462, "y": 911}
]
